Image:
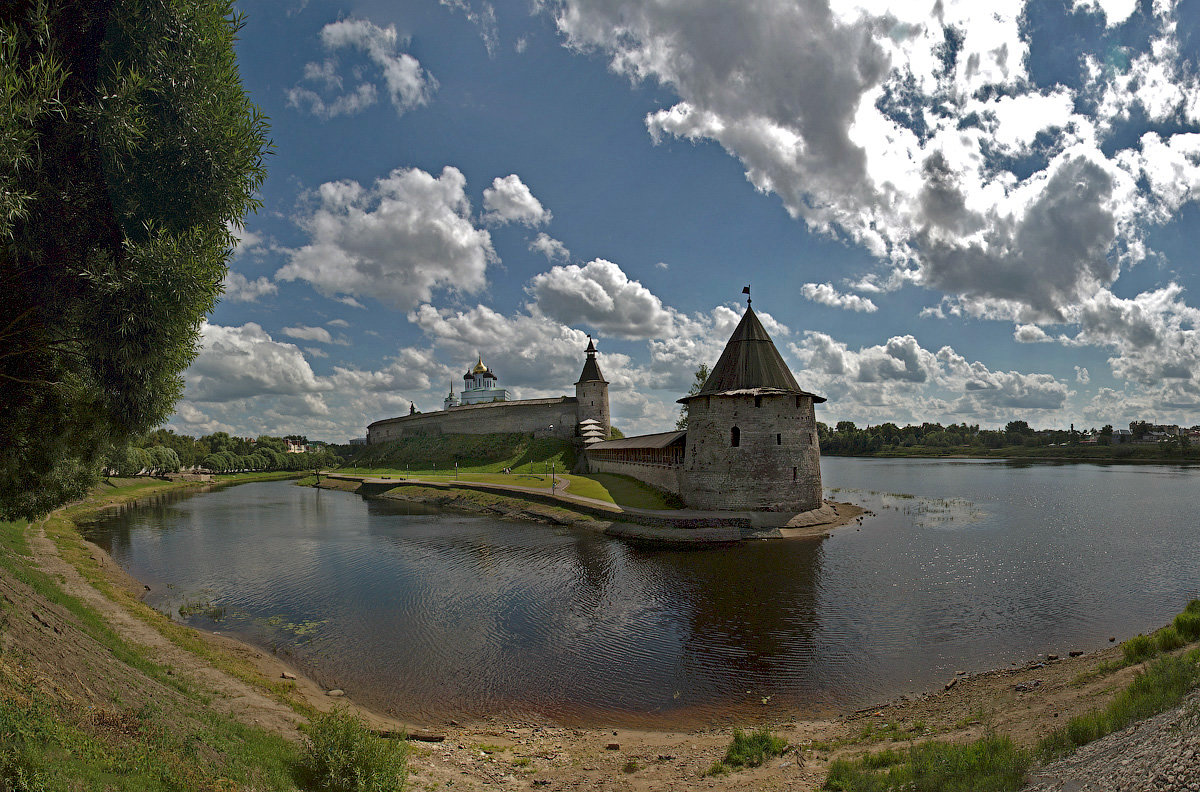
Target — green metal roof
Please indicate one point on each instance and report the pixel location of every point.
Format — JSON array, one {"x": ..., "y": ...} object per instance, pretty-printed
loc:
[{"x": 749, "y": 364}]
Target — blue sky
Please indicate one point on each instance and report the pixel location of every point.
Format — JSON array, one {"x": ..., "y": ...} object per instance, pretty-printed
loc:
[{"x": 971, "y": 212}]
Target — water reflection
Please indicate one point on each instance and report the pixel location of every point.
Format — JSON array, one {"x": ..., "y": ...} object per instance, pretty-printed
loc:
[{"x": 432, "y": 614}]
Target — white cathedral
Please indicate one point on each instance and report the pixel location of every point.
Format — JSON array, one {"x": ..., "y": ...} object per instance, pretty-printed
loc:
[{"x": 479, "y": 385}]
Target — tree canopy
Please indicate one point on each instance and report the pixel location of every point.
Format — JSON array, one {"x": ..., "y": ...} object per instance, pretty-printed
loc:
[
  {"x": 698, "y": 380},
  {"x": 128, "y": 151}
]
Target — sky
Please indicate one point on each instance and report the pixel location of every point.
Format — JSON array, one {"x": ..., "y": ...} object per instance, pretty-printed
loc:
[{"x": 957, "y": 212}]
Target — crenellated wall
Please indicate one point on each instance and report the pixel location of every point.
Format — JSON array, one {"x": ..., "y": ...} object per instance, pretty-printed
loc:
[{"x": 528, "y": 415}]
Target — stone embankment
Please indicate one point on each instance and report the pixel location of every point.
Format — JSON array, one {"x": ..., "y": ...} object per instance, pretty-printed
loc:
[
  {"x": 1159, "y": 754},
  {"x": 686, "y": 526}
]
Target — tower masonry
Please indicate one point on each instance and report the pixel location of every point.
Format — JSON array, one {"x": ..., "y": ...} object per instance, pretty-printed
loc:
[
  {"x": 591, "y": 391},
  {"x": 752, "y": 434}
]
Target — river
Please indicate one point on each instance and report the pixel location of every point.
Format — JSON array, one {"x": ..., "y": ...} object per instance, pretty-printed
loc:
[{"x": 965, "y": 565}]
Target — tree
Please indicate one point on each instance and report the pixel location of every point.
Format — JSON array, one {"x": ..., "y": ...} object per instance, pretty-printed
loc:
[
  {"x": 698, "y": 381},
  {"x": 128, "y": 148},
  {"x": 1018, "y": 427}
]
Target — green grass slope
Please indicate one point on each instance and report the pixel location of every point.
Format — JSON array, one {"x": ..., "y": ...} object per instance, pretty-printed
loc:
[{"x": 485, "y": 453}]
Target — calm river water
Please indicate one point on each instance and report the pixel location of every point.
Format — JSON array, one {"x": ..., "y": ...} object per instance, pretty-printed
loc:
[{"x": 966, "y": 565}]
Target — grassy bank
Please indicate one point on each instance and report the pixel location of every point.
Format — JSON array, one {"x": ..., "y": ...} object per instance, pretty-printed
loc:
[
  {"x": 608, "y": 487},
  {"x": 995, "y": 764},
  {"x": 81, "y": 707},
  {"x": 486, "y": 453},
  {"x": 491, "y": 503}
]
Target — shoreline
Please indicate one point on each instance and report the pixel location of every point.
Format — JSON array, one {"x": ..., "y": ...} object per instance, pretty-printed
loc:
[
  {"x": 666, "y": 527},
  {"x": 1023, "y": 701},
  {"x": 1024, "y": 458}
]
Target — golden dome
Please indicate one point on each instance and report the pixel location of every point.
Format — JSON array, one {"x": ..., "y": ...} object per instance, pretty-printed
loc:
[{"x": 479, "y": 367}]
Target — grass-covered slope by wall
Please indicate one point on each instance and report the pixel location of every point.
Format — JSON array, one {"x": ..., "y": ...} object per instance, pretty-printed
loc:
[{"x": 484, "y": 453}]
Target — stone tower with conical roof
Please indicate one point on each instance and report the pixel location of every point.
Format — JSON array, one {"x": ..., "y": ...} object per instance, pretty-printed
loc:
[
  {"x": 592, "y": 391},
  {"x": 752, "y": 432}
]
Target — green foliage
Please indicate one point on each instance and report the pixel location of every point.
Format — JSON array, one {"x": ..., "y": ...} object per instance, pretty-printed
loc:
[
  {"x": 1187, "y": 624},
  {"x": 751, "y": 750},
  {"x": 698, "y": 380},
  {"x": 1164, "y": 683},
  {"x": 127, "y": 148},
  {"x": 1168, "y": 638},
  {"x": 52, "y": 742},
  {"x": 1139, "y": 648},
  {"x": 989, "y": 764},
  {"x": 623, "y": 490},
  {"x": 342, "y": 755},
  {"x": 484, "y": 453}
]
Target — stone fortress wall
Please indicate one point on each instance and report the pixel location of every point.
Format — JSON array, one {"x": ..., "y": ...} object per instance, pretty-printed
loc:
[
  {"x": 665, "y": 477},
  {"x": 534, "y": 416},
  {"x": 775, "y": 465},
  {"x": 750, "y": 444}
]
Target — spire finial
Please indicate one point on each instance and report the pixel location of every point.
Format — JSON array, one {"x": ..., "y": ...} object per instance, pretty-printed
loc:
[{"x": 746, "y": 291}]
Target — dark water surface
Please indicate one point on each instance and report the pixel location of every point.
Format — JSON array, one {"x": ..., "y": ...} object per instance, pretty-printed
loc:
[{"x": 967, "y": 565}]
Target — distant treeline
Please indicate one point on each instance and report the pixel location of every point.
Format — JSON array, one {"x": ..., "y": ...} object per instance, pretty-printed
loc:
[
  {"x": 1017, "y": 438},
  {"x": 163, "y": 451}
]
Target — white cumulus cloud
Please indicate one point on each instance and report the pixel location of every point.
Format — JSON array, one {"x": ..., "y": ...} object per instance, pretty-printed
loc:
[
  {"x": 323, "y": 92},
  {"x": 920, "y": 133},
  {"x": 239, "y": 288},
  {"x": 508, "y": 200},
  {"x": 394, "y": 241},
  {"x": 825, "y": 294},
  {"x": 551, "y": 248},
  {"x": 306, "y": 333},
  {"x": 238, "y": 362},
  {"x": 600, "y": 295}
]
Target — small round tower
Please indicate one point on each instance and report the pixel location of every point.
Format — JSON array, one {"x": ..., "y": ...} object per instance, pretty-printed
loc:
[
  {"x": 751, "y": 434},
  {"x": 592, "y": 392}
]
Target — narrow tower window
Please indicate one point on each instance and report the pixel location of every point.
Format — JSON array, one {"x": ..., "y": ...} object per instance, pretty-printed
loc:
[
  {"x": 798, "y": 404},
  {"x": 735, "y": 437},
  {"x": 793, "y": 474},
  {"x": 758, "y": 401},
  {"x": 779, "y": 439}
]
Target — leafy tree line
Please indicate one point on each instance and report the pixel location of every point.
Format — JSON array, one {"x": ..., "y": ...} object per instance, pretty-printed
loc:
[
  {"x": 164, "y": 451},
  {"x": 128, "y": 150},
  {"x": 888, "y": 438}
]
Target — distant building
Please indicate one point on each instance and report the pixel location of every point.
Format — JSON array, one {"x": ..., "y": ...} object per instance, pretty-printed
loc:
[
  {"x": 484, "y": 407},
  {"x": 293, "y": 447},
  {"x": 479, "y": 385}
]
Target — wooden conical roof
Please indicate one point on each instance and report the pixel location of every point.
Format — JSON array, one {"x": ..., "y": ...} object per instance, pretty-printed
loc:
[{"x": 750, "y": 364}]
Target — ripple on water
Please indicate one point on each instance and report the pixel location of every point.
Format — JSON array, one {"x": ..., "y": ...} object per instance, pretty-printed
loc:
[{"x": 430, "y": 614}]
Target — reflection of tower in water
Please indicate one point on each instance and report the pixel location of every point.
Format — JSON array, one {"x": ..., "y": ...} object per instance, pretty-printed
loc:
[{"x": 750, "y": 610}]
